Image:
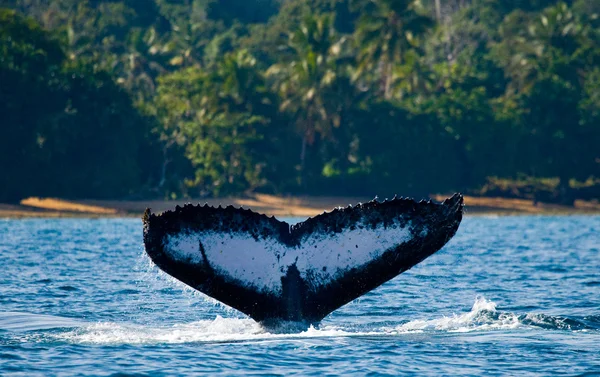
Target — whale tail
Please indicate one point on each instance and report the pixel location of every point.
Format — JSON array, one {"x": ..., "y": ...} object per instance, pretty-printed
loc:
[{"x": 270, "y": 270}]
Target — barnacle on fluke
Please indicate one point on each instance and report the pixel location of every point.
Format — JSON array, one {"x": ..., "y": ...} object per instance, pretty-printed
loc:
[{"x": 270, "y": 270}]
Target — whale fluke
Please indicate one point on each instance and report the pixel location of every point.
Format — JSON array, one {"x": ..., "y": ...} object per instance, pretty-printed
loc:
[{"x": 270, "y": 270}]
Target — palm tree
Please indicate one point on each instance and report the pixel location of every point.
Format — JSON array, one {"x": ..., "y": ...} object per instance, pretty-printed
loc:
[
  {"x": 547, "y": 62},
  {"x": 386, "y": 30},
  {"x": 527, "y": 53},
  {"x": 243, "y": 85},
  {"x": 305, "y": 81},
  {"x": 221, "y": 116}
]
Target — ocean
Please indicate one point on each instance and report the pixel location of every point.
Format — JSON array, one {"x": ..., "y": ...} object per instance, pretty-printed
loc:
[{"x": 514, "y": 295}]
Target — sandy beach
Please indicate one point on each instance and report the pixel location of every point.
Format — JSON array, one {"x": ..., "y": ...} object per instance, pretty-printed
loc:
[{"x": 279, "y": 206}]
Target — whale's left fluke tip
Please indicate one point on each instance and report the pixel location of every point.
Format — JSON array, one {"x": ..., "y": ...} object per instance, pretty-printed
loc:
[{"x": 147, "y": 214}]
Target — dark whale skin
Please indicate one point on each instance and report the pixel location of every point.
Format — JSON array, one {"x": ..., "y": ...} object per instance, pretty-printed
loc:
[{"x": 299, "y": 297}]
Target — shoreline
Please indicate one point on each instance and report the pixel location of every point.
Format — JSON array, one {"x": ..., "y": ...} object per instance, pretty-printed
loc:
[{"x": 278, "y": 206}]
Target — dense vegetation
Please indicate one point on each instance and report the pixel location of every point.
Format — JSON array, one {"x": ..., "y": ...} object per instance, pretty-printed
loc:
[{"x": 171, "y": 98}]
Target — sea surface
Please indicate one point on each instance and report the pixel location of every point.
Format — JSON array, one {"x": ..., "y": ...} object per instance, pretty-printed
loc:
[{"x": 507, "y": 296}]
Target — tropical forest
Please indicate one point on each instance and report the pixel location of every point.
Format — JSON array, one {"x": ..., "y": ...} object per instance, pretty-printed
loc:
[{"x": 169, "y": 99}]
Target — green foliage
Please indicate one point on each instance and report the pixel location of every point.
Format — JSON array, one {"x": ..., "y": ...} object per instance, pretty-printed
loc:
[
  {"x": 307, "y": 80},
  {"x": 386, "y": 31},
  {"x": 249, "y": 12},
  {"x": 220, "y": 117},
  {"x": 548, "y": 63},
  {"x": 171, "y": 98},
  {"x": 61, "y": 115}
]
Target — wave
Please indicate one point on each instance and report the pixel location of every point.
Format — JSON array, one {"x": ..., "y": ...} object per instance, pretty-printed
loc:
[
  {"x": 482, "y": 317},
  {"x": 18, "y": 322}
]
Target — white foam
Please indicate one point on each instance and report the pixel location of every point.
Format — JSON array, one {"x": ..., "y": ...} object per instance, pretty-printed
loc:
[
  {"x": 482, "y": 317},
  {"x": 216, "y": 331},
  {"x": 262, "y": 263}
]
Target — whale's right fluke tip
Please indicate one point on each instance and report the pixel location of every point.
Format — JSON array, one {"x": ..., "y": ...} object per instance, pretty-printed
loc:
[{"x": 454, "y": 201}]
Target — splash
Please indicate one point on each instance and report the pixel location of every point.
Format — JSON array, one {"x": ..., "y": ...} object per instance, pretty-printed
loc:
[
  {"x": 219, "y": 330},
  {"x": 483, "y": 317}
]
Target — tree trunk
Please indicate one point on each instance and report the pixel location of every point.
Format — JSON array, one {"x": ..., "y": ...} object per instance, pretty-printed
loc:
[
  {"x": 388, "y": 80},
  {"x": 465, "y": 168},
  {"x": 166, "y": 161},
  {"x": 303, "y": 157},
  {"x": 565, "y": 194},
  {"x": 438, "y": 11}
]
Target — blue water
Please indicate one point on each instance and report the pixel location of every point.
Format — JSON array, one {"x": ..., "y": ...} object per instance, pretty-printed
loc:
[{"x": 507, "y": 296}]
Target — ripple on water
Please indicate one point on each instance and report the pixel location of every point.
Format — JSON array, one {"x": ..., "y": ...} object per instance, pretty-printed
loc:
[{"x": 79, "y": 296}]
